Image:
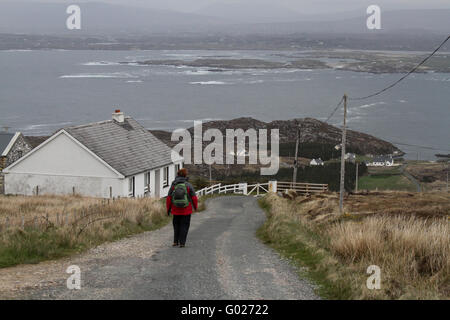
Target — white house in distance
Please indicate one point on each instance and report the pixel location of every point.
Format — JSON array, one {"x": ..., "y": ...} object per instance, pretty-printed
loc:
[
  {"x": 381, "y": 161},
  {"x": 316, "y": 162},
  {"x": 350, "y": 156},
  {"x": 113, "y": 158}
]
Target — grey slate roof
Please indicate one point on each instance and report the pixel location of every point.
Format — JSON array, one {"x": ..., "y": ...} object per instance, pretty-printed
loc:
[
  {"x": 127, "y": 147},
  {"x": 382, "y": 159},
  {"x": 5, "y": 138}
]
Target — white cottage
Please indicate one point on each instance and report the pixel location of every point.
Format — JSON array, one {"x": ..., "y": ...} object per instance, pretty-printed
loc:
[
  {"x": 113, "y": 158},
  {"x": 382, "y": 161},
  {"x": 316, "y": 162}
]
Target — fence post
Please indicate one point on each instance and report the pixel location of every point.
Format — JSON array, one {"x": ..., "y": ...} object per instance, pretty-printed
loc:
[
  {"x": 273, "y": 186},
  {"x": 243, "y": 187}
]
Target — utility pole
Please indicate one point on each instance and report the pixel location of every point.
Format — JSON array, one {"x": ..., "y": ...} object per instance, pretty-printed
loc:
[
  {"x": 297, "y": 141},
  {"x": 210, "y": 176},
  {"x": 356, "y": 187},
  {"x": 344, "y": 138}
]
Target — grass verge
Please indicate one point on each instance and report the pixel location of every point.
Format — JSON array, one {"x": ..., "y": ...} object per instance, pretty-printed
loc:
[
  {"x": 411, "y": 247},
  {"x": 302, "y": 247},
  {"x": 35, "y": 229}
]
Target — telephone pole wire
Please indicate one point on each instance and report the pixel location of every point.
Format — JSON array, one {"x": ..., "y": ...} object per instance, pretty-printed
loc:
[{"x": 344, "y": 138}]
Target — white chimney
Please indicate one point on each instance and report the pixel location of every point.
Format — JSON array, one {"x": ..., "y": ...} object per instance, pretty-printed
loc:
[{"x": 118, "y": 116}]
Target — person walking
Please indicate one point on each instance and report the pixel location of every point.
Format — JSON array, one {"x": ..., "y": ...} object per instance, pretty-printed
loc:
[{"x": 180, "y": 201}]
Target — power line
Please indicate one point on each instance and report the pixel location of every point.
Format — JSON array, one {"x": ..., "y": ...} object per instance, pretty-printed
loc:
[
  {"x": 335, "y": 109},
  {"x": 408, "y": 144},
  {"x": 418, "y": 146},
  {"x": 405, "y": 76}
]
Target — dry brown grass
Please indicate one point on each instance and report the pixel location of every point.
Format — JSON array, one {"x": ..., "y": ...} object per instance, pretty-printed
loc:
[
  {"x": 45, "y": 227},
  {"x": 70, "y": 210},
  {"x": 413, "y": 253},
  {"x": 406, "y": 235}
]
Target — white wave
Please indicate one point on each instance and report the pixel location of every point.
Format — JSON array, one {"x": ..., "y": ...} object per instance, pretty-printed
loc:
[
  {"x": 364, "y": 106},
  {"x": 134, "y": 81},
  {"x": 402, "y": 101},
  {"x": 19, "y": 50},
  {"x": 293, "y": 80},
  {"x": 116, "y": 75},
  {"x": 46, "y": 125},
  {"x": 208, "y": 82},
  {"x": 100, "y": 63},
  {"x": 254, "y": 81},
  {"x": 181, "y": 55},
  {"x": 355, "y": 118}
]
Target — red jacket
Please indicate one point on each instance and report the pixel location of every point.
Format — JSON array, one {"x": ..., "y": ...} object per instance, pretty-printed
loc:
[{"x": 181, "y": 211}]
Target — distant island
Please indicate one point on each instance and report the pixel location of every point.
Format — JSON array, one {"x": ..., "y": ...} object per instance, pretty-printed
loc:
[{"x": 357, "y": 61}]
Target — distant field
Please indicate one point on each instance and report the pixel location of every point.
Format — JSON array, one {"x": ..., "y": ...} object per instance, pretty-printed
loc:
[{"x": 385, "y": 178}]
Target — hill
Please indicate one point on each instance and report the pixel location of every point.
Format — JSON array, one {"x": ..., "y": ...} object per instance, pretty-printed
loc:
[{"x": 312, "y": 131}]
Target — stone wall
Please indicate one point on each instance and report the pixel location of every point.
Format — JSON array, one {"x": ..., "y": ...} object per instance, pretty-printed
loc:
[{"x": 18, "y": 150}]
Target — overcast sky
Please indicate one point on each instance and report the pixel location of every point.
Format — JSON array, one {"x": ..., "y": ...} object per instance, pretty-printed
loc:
[{"x": 301, "y": 6}]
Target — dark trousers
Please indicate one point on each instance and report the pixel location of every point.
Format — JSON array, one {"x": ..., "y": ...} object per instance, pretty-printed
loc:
[{"x": 180, "y": 228}]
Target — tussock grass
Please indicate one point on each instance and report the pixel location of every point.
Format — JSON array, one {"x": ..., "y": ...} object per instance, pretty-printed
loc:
[
  {"x": 47, "y": 227},
  {"x": 407, "y": 236}
]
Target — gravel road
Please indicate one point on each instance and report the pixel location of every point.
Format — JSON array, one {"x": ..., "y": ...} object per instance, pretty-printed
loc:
[{"x": 222, "y": 259}]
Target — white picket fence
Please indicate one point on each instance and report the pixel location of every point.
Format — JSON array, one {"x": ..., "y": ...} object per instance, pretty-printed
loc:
[
  {"x": 258, "y": 189},
  {"x": 238, "y": 188}
]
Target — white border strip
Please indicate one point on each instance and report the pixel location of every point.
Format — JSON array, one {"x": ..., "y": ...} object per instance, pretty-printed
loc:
[{"x": 10, "y": 144}]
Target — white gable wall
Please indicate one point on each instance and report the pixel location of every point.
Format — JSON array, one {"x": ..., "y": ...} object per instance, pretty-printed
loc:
[
  {"x": 58, "y": 167},
  {"x": 63, "y": 156},
  {"x": 26, "y": 184}
]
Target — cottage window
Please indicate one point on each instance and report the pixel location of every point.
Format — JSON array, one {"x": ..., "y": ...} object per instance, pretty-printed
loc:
[
  {"x": 131, "y": 186},
  {"x": 166, "y": 176},
  {"x": 147, "y": 181},
  {"x": 177, "y": 167}
]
